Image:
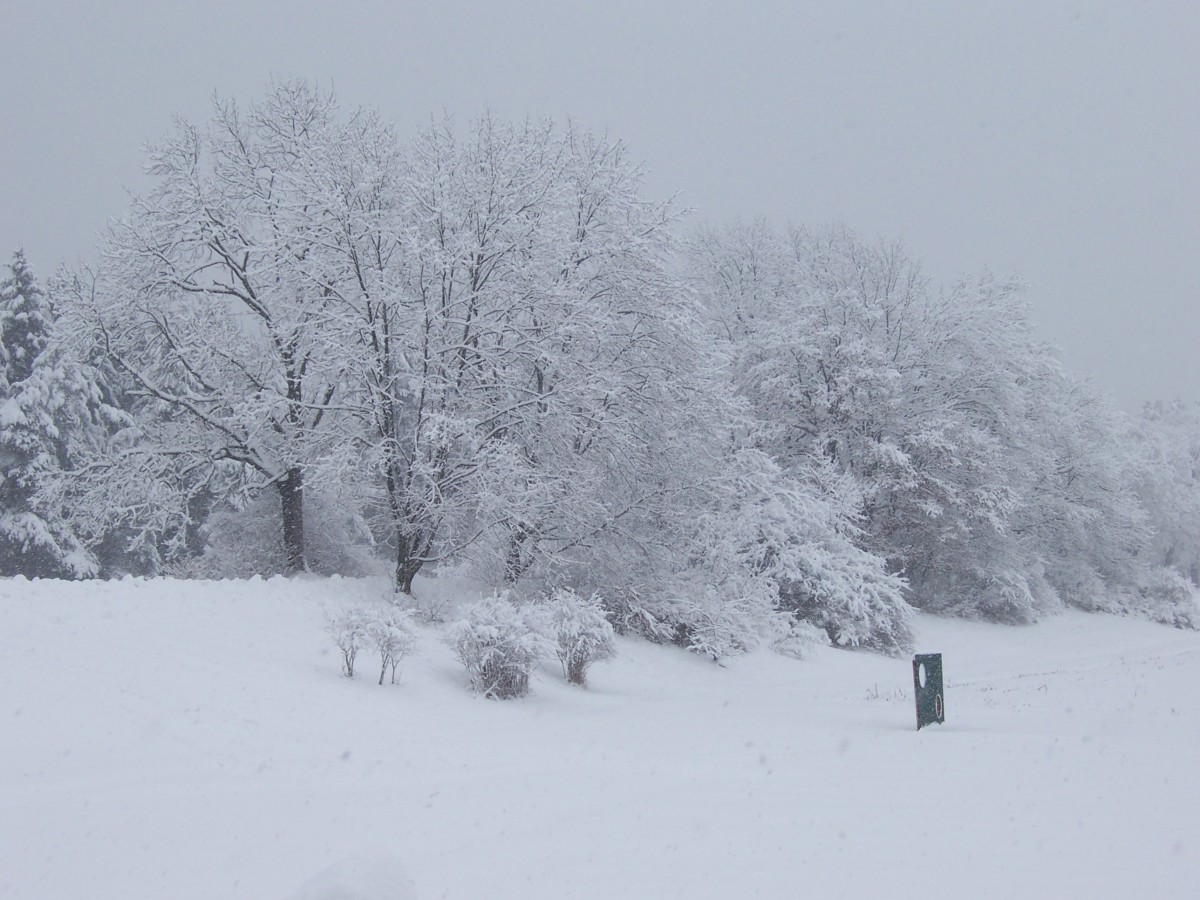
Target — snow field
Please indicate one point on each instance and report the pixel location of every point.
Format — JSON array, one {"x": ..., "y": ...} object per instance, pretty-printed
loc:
[{"x": 196, "y": 740}]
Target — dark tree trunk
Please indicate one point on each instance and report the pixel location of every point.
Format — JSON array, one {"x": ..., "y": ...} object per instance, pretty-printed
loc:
[
  {"x": 291, "y": 501},
  {"x": 406, "y": 571},
  {"x": 408, "y": 564},
  {"x": 519, "y": 557}
]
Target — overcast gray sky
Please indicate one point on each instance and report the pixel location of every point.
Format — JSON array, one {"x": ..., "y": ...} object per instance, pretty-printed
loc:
[{"x": 1057, "y": 141}]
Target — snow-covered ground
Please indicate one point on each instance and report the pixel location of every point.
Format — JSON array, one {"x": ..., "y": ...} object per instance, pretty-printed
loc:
[{"x": 177, "y": 740}]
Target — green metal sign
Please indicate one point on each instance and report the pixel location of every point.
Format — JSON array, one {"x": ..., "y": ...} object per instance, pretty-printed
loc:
[{"x": 927, "y": 682}]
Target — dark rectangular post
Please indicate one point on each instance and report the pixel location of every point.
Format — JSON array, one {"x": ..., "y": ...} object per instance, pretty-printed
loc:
[{"x": 927, "y": 682}]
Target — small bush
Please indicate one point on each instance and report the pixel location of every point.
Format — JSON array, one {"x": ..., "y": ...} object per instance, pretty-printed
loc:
[
  {"x": 499, "y": 644},
  {"x": 797, "y": 639},
  {"x": 629, "y": 616},
  {"x": 718, "y": 626},
  {"x": 348, "y": 628},
  {"x": 581, "y": 631},
  {"x": 390, "y": 632},
  {"x": 717, "y": 622},
  {"x": 720, "y": 622},
  {"x": 428, "y": 610},
  {"x": 1166, "y": 596},
  {"x": 848, "y": 594}
]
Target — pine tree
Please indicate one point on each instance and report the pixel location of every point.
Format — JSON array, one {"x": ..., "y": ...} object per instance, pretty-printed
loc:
[{"x": 43, "y": 398}]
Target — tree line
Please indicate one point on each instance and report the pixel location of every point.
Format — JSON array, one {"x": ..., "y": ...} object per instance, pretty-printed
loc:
[{"x": 313, "y": 345}]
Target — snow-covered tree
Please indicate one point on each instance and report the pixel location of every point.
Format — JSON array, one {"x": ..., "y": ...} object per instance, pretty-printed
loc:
[
  {"x": 1167, "y": 435},
  {"x": 480, "y": 348},
  {"x": 50, "y": 406},
  {"x": 210, "y": 301},
  {"x": 1079, "y": 508},
  {"x": 985, "y": 475},
  {"x": 520, "y": 366},
  {"x": 622, "y": 426}
]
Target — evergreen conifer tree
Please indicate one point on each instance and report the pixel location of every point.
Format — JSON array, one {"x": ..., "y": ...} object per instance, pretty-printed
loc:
[{"x": 43, "y": 398}]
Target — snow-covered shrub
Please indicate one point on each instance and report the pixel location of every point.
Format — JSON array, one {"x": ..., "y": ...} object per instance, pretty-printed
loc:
[
  {"x": 798, "y": 639},
  {"x": 1076, "y": 583},
  {"x": 390, "y": 632},
  {"x": 581, "y": 632},
  {"x": 727, "y": 621},
  {"x": 715, "y": 617},
  {"x": 348, "y": 628},
  {"x": 1166, "y": 596},
  {"x": 1009, "y": 595},
  {"x": 428, "y": 608},
  {"x": 499, "y": 643},
  {"x": 629, "y": 615},
  {"x": 386, "y": 629},
  {"x": 845, "y": 592},
  {"x": 785, "y": 544}
]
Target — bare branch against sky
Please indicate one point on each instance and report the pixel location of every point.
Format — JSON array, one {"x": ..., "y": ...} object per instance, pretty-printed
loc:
[{"x": 1054, "y": 140}]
